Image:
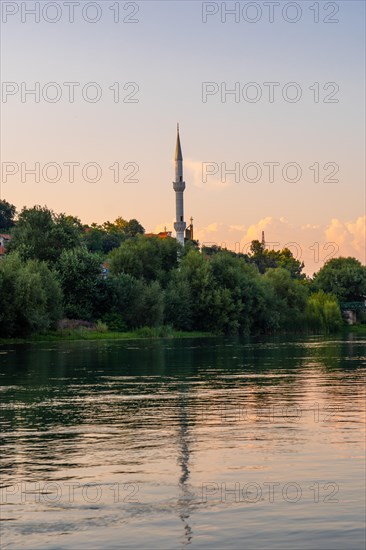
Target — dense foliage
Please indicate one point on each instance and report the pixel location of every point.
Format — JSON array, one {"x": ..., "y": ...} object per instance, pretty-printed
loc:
[
  {"x": 106, "y": 237},
  {"x": 31, "y": 297},
  {"x": 40, "y": 234},
  {"x": 343, "y": 277},
  {"x": 113, "y": 274},
  {"x": 322, "y": 312},
  {"x": 7, "y": 214}
]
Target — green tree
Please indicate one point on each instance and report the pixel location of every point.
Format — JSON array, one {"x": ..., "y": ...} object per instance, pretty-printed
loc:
[
  {"x": 178, "y": 303},
  {"x": 79, "y": 272},
  {"x": 252, "y": 297},
  {"x": 222, "y": 315},
  {"x": 40, "y": 234},
  {"x": 120, "y": 226},
  {"x": 149, "y": 310},
  {"x": 258, "y": 257},
  {"x": 92, "y": 238},
  {"x": 169, "y": 253},
  {"x": 100, "y": 241},
  {"x": 220, "y": 291},
  {"x": 265, "y": 318},
  {"x": 119, "y": 300},
  {"x": 286, "y": 259},
  {"x": 267, "y": 259},
  {"x": 146, "y": 258},
  {"x": 290, "y": 298},
  {"x": 196, "y": 272},
  {"x": 7, "y": 214},
  {"x": 128, "y": 259},
  {"x": 133, "y": 228},
  {"x": 233, "y": 292},
  {"x": 190, "y": 245},
  {"x": 31, "y": 299},
  {"x": 130, "y": 303},
  {"x": 323, "y": 313},
  {"x": 209, "y": 251},
  {"x": 109, "y": 242},
  {"x": 343, "y": 277}
]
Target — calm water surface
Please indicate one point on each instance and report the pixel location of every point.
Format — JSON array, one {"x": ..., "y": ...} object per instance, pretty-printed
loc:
[{"x": 212, "y": 443}]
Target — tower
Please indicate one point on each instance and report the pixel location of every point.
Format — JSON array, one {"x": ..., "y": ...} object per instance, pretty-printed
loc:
[
  {"x": 179, "y": 187},
  {"x": 189, "y": 231}
]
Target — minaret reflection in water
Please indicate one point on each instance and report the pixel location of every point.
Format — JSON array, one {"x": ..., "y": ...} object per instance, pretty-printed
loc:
[{"x": 186, "y": 496}]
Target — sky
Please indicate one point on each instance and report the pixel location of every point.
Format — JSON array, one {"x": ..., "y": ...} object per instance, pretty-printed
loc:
[{"x": 272, "y": 92}]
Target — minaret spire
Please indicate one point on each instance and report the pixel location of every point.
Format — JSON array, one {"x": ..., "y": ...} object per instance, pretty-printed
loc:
[
  {"x": 179, "y": 187},
  {"x": 178, "y": 149}
]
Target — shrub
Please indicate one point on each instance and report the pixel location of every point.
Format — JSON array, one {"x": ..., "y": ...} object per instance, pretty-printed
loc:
[
  {"x": 323, "y": 313},
  {"x": 31, "y": 299},
  {"x": 101, "y": 327},
  {"x": 115, "y": 322}
]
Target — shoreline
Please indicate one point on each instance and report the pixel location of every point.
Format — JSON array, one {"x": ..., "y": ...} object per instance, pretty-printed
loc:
[
  {"x": 139, "y": 334},
  {"x": 86, "y": 335}
]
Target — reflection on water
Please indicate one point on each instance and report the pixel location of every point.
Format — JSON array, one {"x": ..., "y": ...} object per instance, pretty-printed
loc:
[{"x": 212, "y": 443}]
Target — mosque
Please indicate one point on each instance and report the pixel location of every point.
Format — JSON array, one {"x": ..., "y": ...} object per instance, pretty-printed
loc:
[
  {"x": 179, "y": 185},
  {"x": 183, "y": 233}
]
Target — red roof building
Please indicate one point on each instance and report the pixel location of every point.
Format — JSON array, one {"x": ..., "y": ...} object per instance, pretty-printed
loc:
[
  {"x": 161, "y": 235},
  {"x": 4, "y": 240}
]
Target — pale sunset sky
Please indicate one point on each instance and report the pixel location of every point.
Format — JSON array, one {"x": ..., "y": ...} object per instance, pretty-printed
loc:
[{"x": 169, "y": 52}]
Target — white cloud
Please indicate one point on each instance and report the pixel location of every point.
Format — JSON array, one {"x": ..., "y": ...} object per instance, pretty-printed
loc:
[
  {"x": 312, "y": 244},
  {"x": 349, "y": 235},
  {"x": 199, "y": 174}
]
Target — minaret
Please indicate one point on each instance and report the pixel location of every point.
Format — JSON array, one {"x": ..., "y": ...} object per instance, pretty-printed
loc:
[{"x": 179, "y": 187}]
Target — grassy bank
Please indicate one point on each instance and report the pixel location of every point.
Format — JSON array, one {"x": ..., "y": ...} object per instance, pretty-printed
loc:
[
  {"x": 141, "y": 333},
  {"x": 85, "y": 334},
  {"x": 359, "y": 329}
]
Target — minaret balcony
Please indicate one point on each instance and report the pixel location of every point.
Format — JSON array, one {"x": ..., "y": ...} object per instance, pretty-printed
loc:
[
  {"x": 180, "y": 226},
  {"x": 179, "y": 186}
]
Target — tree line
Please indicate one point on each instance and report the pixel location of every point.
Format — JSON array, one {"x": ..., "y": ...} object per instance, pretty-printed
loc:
[{"x": 56, "y": 268}]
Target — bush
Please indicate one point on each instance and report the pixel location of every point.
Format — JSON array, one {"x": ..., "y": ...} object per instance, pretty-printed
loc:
[
  {"x": 78, "y": 272},
  {"x": 115, "y": 322},
  {"x": 323, "y": 313},
  {"x": 101, "y": 327},
  {"x": 150, "y": 259},
  {"x": 31, "y": 299},
  {"x": 40, "y": 234},
  {"x": 178, "y": 304},
  {"x": 290, "y": 298}
]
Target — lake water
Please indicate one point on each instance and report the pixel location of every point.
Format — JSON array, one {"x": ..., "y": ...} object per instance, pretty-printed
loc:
[{"x": 212, "y": 443}]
